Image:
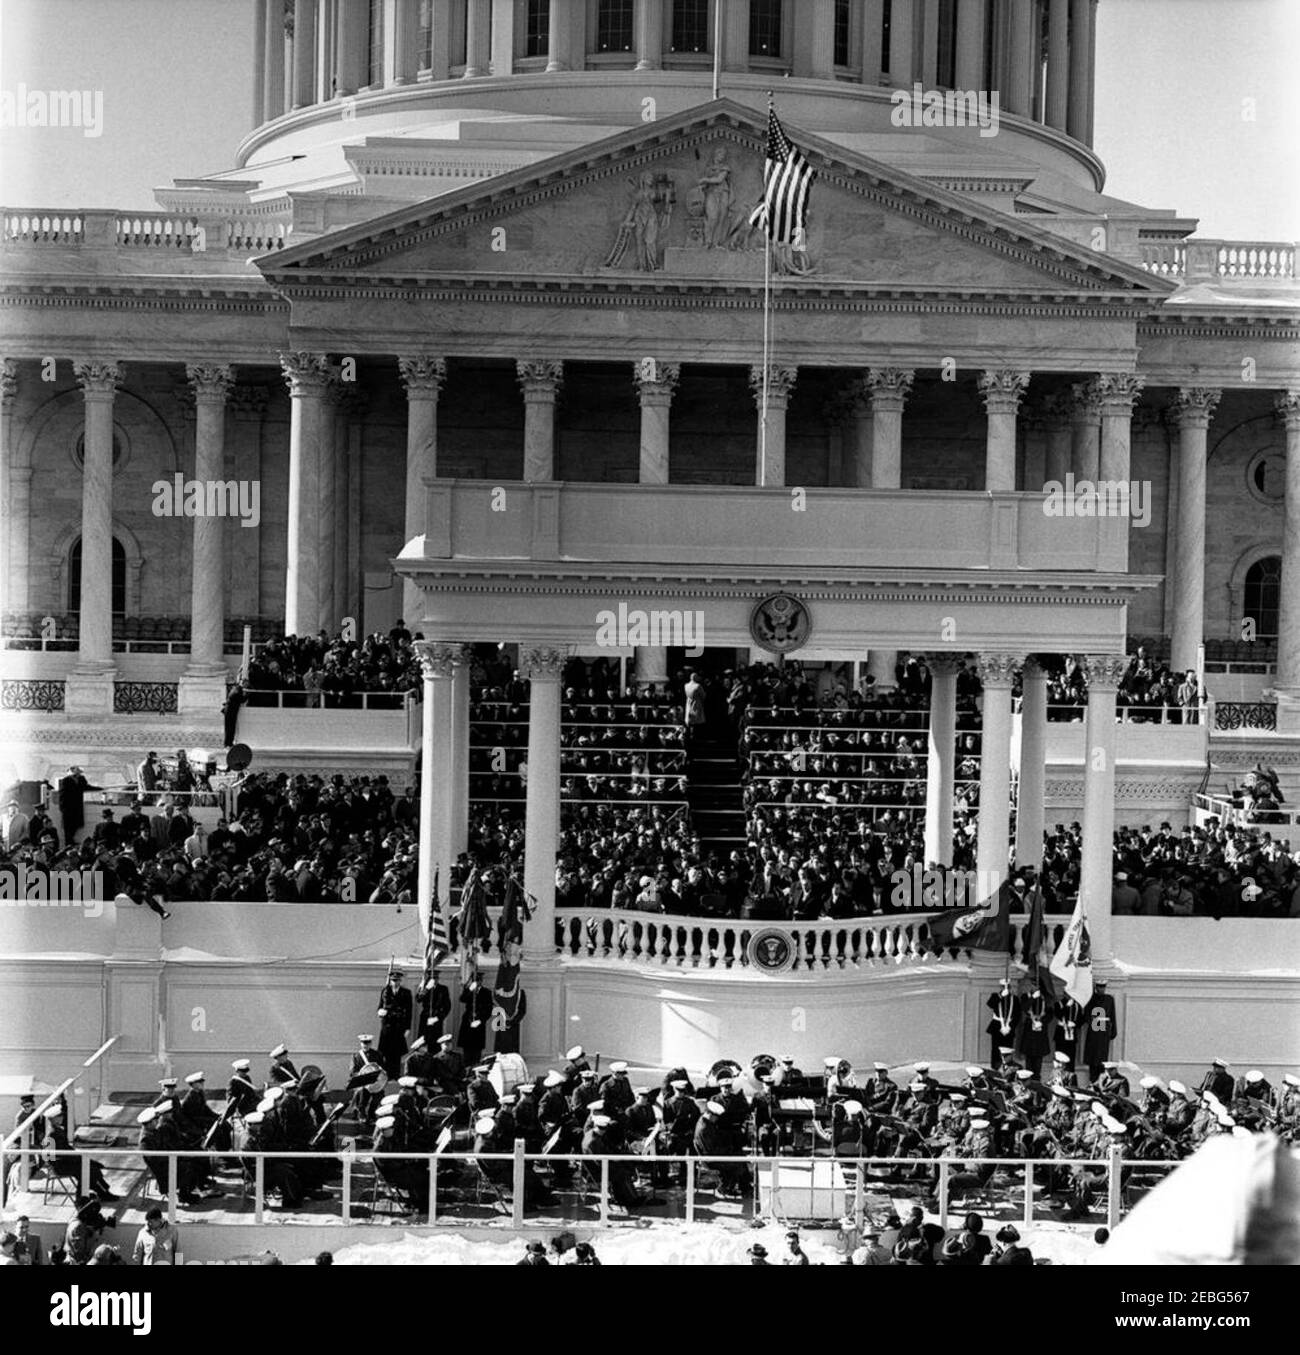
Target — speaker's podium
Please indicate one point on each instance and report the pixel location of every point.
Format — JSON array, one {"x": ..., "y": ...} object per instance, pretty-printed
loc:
[{"x": 803, "y": 1190}]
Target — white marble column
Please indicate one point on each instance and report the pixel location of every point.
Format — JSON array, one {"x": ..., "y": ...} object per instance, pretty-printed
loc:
[
  {"x": 1097, "y": 867},
  {"x": 437, "y": 664},
  {"x": 1058, "y": 64},
  {"x": 814, "y": 41},
  {"x": 997, "y": 672},
  {"x": 1119, "y": 392},
  {"x": 273, "y": 77},
  {"x": 650, "y": 666},
  {"x": 770, "y": 458},
  {"x": 1079, "y": 101},
  {"x": 1002, "y": 391},
  {"x": 559, "y": 39},
  {"x": 202, "y": 686},
  {"x": 304, "y": 53},
  {"x": 460, "y": 702},
  {"x": 1287, "y": 680},
  {"x": 970, "y": 45},
  {"x": 1030, "y": 811},
  {"x": 244, "y": 544},
  {"x": 901, "y": 38},
  {"x": 543, "y": 668},
  {"x": 351, "y": 67},
  {"x": 941, "y": 753},
  {"x": 478, "y": 38},
  {"x": 1023, "y": 41},
  {"x": 308, "y": 377},
  {"x": 649, "y": 35},
  {"x": 540, "y": 380},
  {"x": 888, "y": 388},
  {"x": 90, "y": 685},
  {"x": 347, "y": 437},
  {"x": 8, "y": 506},
  {"x": 1056, "y": 426},
  {"x": 423, "y": 377},
  {"x": 259, "y": 61},
  {"x": 333, "y": 443},
  {"x": 1192, "y": 410},
  {"x": 656, "y": 383},
  {"x": 858, "y": 436},
  {"x": 1085, "y": 431},
  {"x": 406, "y": 41},
  {"x": 503, "y": 37}
]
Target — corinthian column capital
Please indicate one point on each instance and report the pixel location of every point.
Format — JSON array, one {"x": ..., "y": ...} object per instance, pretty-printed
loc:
[
  {"x": 1002, "y": 389},
  {"x": 1194, "y": 406},
  {"x": 888, "y": 388},
  {"x": 305, "y": 372},
  {"x": 780, "y": 383},
  {"x": 8, "y": 380},
  {"x": 423, "y": 377},
  {"x": 437, "y": 659},
  {"x": 99, "y": 379},
  {"x": 542, "y": 663},
  {"x": 539, "y": 378},
  {"x": 1105, "y": 671},
  {"x": 656, "y": 382},
  {"x": 1118, "y": 391},
  {"x": 998, "y": 670},
  {"x": 210, "y": 383}
]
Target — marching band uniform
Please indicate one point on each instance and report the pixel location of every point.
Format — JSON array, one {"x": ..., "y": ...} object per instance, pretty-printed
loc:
[
  {"x": 1112, "y": 1082},
  {"x": 616, "y": 1091},
  {"x": 240, "y": 1090},
  {"x": 281, "y": 1069},
  {"x": 420, "y": 1063},
  {"x": 1218, "y": 1081}
]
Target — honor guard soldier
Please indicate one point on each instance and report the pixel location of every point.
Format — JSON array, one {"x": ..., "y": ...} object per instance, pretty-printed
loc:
[
  {"x": 1218, "y": 1080},
  {"x": 433, "y": 1004},
  {"x": 395, "y": 1012},
  {"x": 281, "y": 1069},
  {"x": 1112, "y": 1082},
  {"x": 616, "y": 1092},
  {"x": 1005, "y": 1008},
  {"x": 240, "y": 1090},
  {"x": 1099, "y": 1029}
]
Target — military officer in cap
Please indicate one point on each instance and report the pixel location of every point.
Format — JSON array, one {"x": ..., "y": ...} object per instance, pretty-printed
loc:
[
  {"x": 616, "y": 1091},
  {"x": 481, "y": 1094},
  {"x": 1099, "y": 1028},
  {"x": 168, "y": 1094},
  {"x": 882, "y": 1092},
  {"x": 450, "y": 1066},
  {"x": 240, "y": 1090},
  {"x": 528, "y": 1124},
  {"x": 197, "y": 1115},
  {"x": 1255, "y": 1087},
  {"x": 364, "y": 1054},
  {"x": 675, "y": 1075},
  {"x": 1063, "y": 1074},
  {"x": 1218, "y": 1080},
  {"x": 1112, "y": 1082},
  {"x": 281, "y": 1069},
  {"x": 1005, "y": 1008},
  {"x": 395, "y": 1012},
  {"x": 923, "y": 1075},
  {"x": 420, "y": 1063},
  {"x": 575, "y": 1065}
]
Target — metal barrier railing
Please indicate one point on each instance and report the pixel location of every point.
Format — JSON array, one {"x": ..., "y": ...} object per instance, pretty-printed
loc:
[{"x": 513, "y": 1199}]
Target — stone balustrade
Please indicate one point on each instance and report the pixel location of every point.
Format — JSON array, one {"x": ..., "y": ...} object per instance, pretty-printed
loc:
[
  {"x": 1197, "y": 259},
  {"x": 37, "y": 227}
]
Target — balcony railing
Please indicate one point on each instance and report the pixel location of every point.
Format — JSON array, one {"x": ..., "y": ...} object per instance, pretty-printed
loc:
[
  {"x": 300, "y": 700},
  {"x": 31, "y": 694},
  {"x": 1234, "y": 715},
  {"x": 157, "y": 232},
  {"x": 1193, "y": 259},
  {"x": 363, "y": 1182}
]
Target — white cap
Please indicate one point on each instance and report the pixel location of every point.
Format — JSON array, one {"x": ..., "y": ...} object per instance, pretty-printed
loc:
[
  {"x": 275, "y": 1092},
  {"x": 957, "y": 1096},
  {"x": 553, "y": 1079},
  {"x": 1220, "y": 1063},
  {"x": 979, "y": 1124},
  {"x": 831, "y": 1062},
  {"x": 916, "y": 1086},
  {"x": 883, "y": 1067},
  {"x": 1099, "y": 1108},
  {"x": 853, "y": 1107},
  {"x": 241, "y": 1065},
  {"x": 408, "y": 1081},
  {"x": 595, "y": 1105},
  {"x": 446, "y": 1039},
  {"x": 1024, "y": 1074},
  {"x": 384, "y": 1123},
  {"x": 1291, "y": 1080},
  {"x": 715, "y": 1108},
  {"x": 254, "y": 1117},
  {"x": 679, "y": 1084},
  {"x": 587, "y": 1074},
  {"x": 192, "y": 1078},
  {"x": 1149, "y": 1081},
  {"x": 390, "y": 1101},
  {"x": 1006, "y": 1049},
  {"x": 641, "y": 1091},
  {"x": 523, "y": 1088},
  {"x": 1061, "y": 1057},
  {"x": 166, "y": 1081},
  {"x": 1062, "y": 1092},
  {"x": 973, "y": 1071},
  {"x": 1110, "y": 1065},
  {"x": 1226, "y": 1121},
  {"x": 1254, "y": 1075},
  {"x": 1177, "y": 1088},
  {"x": 366, "y": 1039},
  {"x": 601, "y": 1121},
  {"x": 485, "y": 1124},
  {"x": 576, "y": 1052},
  {"x": 278, "y": 1050},
  {"x": 922, "y": 1067},
  {"x": 146, "y": 1115},
  {"x": 619, "y": 1066},
  {"x": 266, "y": 1103}
]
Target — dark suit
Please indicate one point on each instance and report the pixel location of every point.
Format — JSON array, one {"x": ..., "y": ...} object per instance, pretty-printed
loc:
[
  {"x": 1098, "y": 1029},
  {"x": 478, "y": 1008}
]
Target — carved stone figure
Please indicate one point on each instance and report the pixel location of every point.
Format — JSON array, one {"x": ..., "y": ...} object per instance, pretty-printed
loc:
[
  {"x": 716, "y": 186},
  {"x": 645, "y": 226}
]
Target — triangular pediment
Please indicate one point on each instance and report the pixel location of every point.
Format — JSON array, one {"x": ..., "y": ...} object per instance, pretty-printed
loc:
[{"x": 667, "y": 204}]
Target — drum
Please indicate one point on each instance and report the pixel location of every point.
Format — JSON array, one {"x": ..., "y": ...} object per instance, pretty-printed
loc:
[{"x": 508, "y": 1071}]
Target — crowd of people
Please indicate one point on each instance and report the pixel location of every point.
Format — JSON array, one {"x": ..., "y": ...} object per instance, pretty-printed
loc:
[
  {"x": 1149, "y": 690},
  {"x": 333, "y": 670}
]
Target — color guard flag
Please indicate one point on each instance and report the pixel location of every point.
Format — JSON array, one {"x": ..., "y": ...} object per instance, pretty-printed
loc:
[
  {"x": 436, "y": 945},
  {"x": 787, "y": 179},
  {"x": 982, "y": 928},
  {"x": 1073, "y": 960}
]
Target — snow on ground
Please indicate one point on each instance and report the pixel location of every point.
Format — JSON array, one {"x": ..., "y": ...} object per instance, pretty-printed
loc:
[{"x": 668, "y": 1244}]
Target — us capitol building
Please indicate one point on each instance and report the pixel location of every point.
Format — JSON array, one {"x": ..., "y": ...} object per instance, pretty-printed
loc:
[{"x": 478, "y": 308}]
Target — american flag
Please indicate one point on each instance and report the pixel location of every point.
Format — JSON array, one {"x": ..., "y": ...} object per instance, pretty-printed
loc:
[
  {"x": 436, "y": 944},
  {"x": 787, "y": 179}
]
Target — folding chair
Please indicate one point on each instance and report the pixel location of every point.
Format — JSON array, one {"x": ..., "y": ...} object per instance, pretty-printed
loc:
[{"x": 485, "y": 1185}]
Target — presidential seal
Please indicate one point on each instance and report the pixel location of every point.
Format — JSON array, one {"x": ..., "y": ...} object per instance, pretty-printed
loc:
[
  {"x": 780, "y": 623},
  {"x": 771, "y": 951}
]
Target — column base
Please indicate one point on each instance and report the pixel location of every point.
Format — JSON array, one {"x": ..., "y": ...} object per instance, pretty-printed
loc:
[
  {"x": 89, "y": 691},
  {"x": 201, "y": 693},
  {"x": 880, "y": 665},
  {"x": 1288, "y": 711}
]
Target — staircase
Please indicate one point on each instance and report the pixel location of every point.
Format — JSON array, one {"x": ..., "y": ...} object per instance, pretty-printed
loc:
[{"x": 713, "y": 791}]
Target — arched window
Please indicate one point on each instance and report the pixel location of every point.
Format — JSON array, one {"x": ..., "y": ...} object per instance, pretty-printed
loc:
[
  {"x": 1260, "y": 600},
  {"x": 119, "y": 578}
]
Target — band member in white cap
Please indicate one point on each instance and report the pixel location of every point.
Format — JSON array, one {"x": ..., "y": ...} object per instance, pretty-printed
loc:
[
  {"x": 281, "y": 1069},
  {"x": 1218, "y": 1080},
  {"x": 240, "y": 1089},
  {"x": 197, "y": 1115},
  {"x": 1112, "y": 1082},
  {"x": 616, "y": 1091},
  {"x": 362, "y": 1055}
]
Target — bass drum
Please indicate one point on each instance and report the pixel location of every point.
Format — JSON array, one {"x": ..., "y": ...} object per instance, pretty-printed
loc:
[
  {"x": 724, "y": 1066},
  {"x": 312, "y": 1083},
  {"x": 369, "y": 1078}
]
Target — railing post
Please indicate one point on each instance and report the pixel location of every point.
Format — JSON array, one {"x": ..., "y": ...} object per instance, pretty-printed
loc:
[
  {"x": 690, "y": 1190},
  {"x": 517, "y": 1197},
  {"x": 347, "y": 1187},
  {"x": 173, "y": 1186},
  {"x": 433, "y": 1189},
  {"x": 1029, "y": 1194},
  {"x": 25, "y": 1161},
  {"x": 943, "y": 1193},
  {"x": 259, "y": 1188},
  {"x": 1114, "y": 1184},
  {"x": 604, "y": 1190},
  {"x": 860, "y": 1195},
  {"x": 83, "y": 1164}
]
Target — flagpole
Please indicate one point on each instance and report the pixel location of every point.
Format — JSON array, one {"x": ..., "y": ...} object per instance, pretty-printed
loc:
[
  {"x": 767, "y": 333},
  {"x": 717, "y": 46}
]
